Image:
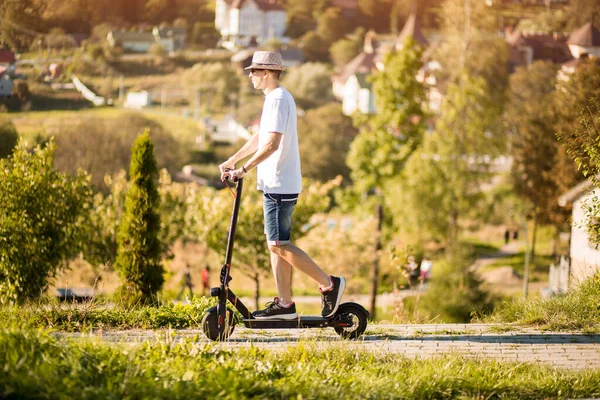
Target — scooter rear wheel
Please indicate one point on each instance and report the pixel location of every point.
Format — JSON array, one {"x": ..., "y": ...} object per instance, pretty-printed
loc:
[
  {"x": 359, "y": 318},
  {"x": 210, "y": 325}
]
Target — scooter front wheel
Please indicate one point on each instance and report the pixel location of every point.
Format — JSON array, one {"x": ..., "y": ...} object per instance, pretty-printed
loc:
[
  {"x": 356, "y": 318},
  {"x": 210, "y": 324}
]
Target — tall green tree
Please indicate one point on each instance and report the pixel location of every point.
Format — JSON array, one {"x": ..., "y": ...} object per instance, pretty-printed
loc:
[
  {"x": 215, "y": 83},
  {"x": 20, "y": 22},
  {"x": 387, "y": 139},
  {"x": 140, "y": 251},
  {"x": 42, "y": 221},
  {"x": 533, "y": 143}
]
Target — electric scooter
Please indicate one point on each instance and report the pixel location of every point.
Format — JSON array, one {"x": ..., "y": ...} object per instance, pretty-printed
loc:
[{"x": 349, "y": 321}]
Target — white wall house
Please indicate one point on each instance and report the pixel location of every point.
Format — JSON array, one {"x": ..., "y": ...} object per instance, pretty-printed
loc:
[
  {"x": 585, "y": 258},
  {"x": 358, "y": 95},
  {"x": 585, "y": 40},
  {"x": 6, "y": 84},
  {"x": 136, "y": 42},
  {"x": 240, "y": 21}
]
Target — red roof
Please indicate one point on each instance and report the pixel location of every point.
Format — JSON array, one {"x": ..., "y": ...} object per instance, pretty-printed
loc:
[
  {"x": 345, "y": 4},
  {"x": 7, "y": 56},
  {"x": 586, "y": 36}
]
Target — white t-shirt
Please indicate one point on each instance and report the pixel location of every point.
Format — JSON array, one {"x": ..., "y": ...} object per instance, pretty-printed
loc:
[{"x": 280, "y": 173}]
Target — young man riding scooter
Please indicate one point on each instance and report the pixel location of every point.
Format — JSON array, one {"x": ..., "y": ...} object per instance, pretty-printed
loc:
[{"x": 276, "y": 156}]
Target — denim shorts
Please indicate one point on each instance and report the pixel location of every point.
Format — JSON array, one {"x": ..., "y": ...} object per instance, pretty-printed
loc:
[{"x": 278, "y": 209}]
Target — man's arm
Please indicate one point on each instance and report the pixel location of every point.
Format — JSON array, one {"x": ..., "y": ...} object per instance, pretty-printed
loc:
[
  {"x": 248, "y": 148},
  {"x": 270, "y": 146}
]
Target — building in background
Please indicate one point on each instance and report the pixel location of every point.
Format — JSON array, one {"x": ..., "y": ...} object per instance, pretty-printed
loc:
[
  {"x": 244, "y": 23},
  {"x": 170, "y": 38},
  {"x": 135, "y": 42}
]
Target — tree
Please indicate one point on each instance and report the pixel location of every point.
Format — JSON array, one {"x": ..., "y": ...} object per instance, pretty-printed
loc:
[
  {"x": 215, "y": 81},
  {"x": 387, "y": 139},
  {"x": 42, "y": 218},
  {"x": 343, "y": 51},
  {"x": 310, "y": 83},
  {"x": 8, "y": 138},
  {"x": 140, "y": 251},
  {"x": 314, "y": 48},
  {"x": 18, "y": 19},
  {"x": 105, "y": 149},
  {"x": 470, "y": 44},
  {"x": 581, "y": 12},
  {"x": 331, "y": 25},
  {"x": 467, "y": 136},
  {"x": 325, "y": 137},
  {"x": 534, "y": 146}
]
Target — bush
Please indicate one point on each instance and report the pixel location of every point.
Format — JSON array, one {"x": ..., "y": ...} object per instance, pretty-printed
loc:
[
  {"x": 8, "y": 138},
  {"x": 139, "y": 248},
  {"x": 577, "y": 309},
  {"x": 103, "y": 147},
  {"x": 454, "y": 293},
  {"x": 41, "y": 221}
]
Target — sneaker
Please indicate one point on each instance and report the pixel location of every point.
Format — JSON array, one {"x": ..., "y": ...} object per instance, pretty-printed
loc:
[
  {"x": 331, "y": 298},
  {"x": 274, "y": 310}
]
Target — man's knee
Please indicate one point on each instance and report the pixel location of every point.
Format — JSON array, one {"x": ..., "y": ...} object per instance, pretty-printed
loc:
[{"x": 277, "y": 247}]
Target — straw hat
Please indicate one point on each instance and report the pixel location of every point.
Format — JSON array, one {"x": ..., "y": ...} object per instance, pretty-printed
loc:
[{"x": 267, "y": 60}]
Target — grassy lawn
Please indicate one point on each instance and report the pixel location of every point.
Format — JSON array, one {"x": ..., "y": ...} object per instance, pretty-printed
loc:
[
  {"x": 37, "y": 365},
  {"x": 33, "y": 123},
  {"x": 538, "y": 269}
]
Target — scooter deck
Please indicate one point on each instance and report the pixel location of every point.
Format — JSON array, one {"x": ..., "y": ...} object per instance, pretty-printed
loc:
[{"x": 297, "y": 323}]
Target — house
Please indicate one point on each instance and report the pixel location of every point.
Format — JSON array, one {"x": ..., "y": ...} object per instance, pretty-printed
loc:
[
  {"x": 135, "y": 42},
  {"x": 7, "y": 60},
  {"x": 585, "y": 40},
  {"x": 170, "y": 38},
  {"x": 350, "y": 84},
  {"x": 584, "y": 257},
  {"x": 363, "y": 63},
  {"x": 6, "y": 84},
  {"x": 241, "y": 22},
  {"x": 358, "y": 95},
  {"x": 525, "y": 48}
]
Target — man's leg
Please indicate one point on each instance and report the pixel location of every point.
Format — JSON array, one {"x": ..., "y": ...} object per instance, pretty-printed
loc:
[
  {"x": 296, "y": 257},
  {"x": 282, "y": 271}
]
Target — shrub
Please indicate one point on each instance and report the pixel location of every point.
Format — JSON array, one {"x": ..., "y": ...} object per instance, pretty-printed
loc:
[
  {"x": 139, "y": 248},
  {"x": 41, "y": 221},
  {"x": 8, "y": 138}
]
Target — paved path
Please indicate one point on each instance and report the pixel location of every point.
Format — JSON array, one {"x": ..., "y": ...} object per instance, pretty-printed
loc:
[{"x": 563, "y": 350}]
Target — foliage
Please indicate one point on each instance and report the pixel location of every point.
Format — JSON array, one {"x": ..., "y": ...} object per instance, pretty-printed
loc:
[
  {"x": 314, "y": 48},
  {"x": 8, "y": 137},
  {"x": 466, "y": 138},
  {"x": 108, "y": 210},
  {"x": 215, "y": 81},
  {"x": 40, "y": 365},
  {"x": 18, "y": 17},
  {"x": 343, "y": 51},
  {"x": 140, "y": 251},
  {"x": 325, "y": 137},
  {"x": 310, "y": 84},
  {"x": 534, "y": 146},
  {"x": 470, "y": 45},
  {"x": 454, "y": 294},
  {"x": 388, "y": 138},
  {"x": 157, "y": 51},
  {"x": 331, "y": 25},
  {"x": 105, "y": 148},
  {"x": 580, "y": 12},
  {"x": 79, "y": 318},
  {"x": 42, "y": 217},
  {"x": 575, "y": 310}
]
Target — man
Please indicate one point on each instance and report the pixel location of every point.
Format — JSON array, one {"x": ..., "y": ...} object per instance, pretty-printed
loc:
[{"x": 276, "y": 156}]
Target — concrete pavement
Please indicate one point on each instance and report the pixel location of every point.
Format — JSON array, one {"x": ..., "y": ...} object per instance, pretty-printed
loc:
[{"x": 571, "y": 350}]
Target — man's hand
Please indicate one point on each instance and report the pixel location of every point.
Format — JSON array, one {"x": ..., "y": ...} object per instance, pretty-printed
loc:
[
  {"x": 233, "y": 174},
  {"x": 227, "y": 165}
]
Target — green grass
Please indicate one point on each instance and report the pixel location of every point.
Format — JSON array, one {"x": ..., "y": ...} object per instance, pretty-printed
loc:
[
  {"x": 578, "y": 309},
  {"x": 78, "y": 317},
  {"x": 538, "y": 269},
  {"x": 36, "y": 365}
]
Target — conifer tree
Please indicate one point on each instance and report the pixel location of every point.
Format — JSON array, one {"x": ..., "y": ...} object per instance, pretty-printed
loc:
[{"x": 139, "y": 248}]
